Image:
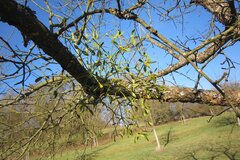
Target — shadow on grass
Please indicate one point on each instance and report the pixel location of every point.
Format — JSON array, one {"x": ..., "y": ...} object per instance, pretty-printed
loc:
[
  {"x": 227, "y": 152},
  {"x": 168, "y": 137},
  {"x": 224, "y": 121},
  {"x": 92, "y": 155}
]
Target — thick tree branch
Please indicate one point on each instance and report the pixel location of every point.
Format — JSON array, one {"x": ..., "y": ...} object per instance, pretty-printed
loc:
[
  {"x": 25, "y": 21},
  {"x": 174, "y": 94},
  {"x": 224, "y": 11},
  {"x": 161, "y": 93}
]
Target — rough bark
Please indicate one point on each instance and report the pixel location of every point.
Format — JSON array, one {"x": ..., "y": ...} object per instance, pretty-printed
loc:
[{"x": 176, "y": 94}]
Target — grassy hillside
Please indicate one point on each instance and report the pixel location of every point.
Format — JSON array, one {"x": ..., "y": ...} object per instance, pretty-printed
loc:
[{"x": 196, "y": 139}]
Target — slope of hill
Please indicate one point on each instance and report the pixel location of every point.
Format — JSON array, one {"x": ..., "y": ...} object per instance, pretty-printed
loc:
[{"x": 196, "y": 139}]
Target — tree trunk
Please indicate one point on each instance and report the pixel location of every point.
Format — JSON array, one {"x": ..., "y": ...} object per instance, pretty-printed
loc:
[
  {"x": 27, "y": 155},
  {"x": 158, "y": 147},
  {"x": 95, "y": 142},
  {"x": 238, "y": 121}
]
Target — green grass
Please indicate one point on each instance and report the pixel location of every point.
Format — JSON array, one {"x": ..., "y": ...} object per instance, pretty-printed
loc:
[{"x": 196, "y": 139}]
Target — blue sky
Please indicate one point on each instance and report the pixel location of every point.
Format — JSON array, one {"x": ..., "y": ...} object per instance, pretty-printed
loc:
[{"x": 195, "y": 23}]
